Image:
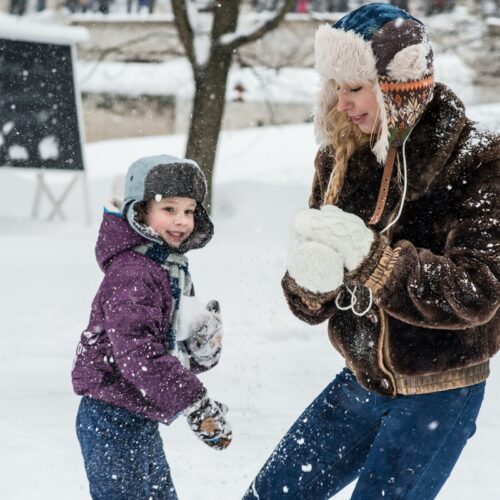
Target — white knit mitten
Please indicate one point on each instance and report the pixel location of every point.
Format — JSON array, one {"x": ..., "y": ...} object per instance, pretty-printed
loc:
[
  {"x": 315, "y": 267},
  {"x": 344, "y": 232}
]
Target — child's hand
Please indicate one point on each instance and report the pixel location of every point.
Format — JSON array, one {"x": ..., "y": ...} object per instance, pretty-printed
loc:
[
  {"x": 207, "y": 420},
  {"x": 205, "y": 340}
]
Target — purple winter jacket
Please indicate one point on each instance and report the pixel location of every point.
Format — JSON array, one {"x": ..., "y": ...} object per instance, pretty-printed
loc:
[{"x": 121, "y": 357}]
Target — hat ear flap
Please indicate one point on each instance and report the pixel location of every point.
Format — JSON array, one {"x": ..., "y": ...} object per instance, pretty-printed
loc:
[
  {"x": 410, "y": 63},
  {"x": 381, "y": 146},
  {"x": 326, "y": 100}
]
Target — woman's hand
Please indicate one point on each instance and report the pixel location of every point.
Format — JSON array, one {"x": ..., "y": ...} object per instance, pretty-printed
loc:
[
  {"x": 341, "y": 231},
  {"x": 315, "y": 267}
]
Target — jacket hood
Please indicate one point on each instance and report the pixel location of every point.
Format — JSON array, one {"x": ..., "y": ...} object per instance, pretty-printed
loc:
[{"x": 115, "y": 237}]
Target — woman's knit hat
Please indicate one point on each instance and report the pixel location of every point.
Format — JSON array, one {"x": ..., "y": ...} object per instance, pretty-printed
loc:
[
  {"x": 165, "y": 176},
  {"x": 382, "y": 44}
]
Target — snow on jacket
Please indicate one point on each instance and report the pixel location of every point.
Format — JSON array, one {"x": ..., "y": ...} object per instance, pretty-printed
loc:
[
  {"x": 435, "y": 277},
  {"x": 121, "y": 358}
]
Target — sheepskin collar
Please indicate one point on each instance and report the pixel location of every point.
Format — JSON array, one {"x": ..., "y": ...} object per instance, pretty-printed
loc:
[{"x": 433, "y": 140}]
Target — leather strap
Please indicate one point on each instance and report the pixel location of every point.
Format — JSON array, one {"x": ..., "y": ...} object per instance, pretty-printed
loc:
[{"x": 384, "y": 186}]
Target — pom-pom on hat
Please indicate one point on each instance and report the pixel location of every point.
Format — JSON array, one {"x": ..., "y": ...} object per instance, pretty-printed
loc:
[
  {"x": 165, "y": 176},
  {"x": 382, "y": 44}
]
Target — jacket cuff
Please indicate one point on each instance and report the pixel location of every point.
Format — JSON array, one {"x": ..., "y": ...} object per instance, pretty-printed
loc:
[
  {"x": 375, "y": 270},
  {"x": 197, "y": 401},
  {"x": 313, "y": 308},
  {"x": 308, "y": 297}
]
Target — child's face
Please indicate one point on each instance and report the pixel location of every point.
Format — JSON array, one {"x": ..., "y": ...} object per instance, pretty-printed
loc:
[
  {"x": 359, "y": 102},
  {"x": 172, "y": 219}
]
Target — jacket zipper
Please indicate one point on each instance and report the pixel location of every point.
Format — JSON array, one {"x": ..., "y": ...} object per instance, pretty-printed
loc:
[
  {"x": 383, "y": 347},
  {"x": 383, "y": 351}
]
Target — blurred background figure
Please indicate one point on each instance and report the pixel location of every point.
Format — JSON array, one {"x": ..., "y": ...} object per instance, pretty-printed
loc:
[
  {"x": 103, "y": 6},
  {"x": 302, "y": 6},
  {"x": 148, "y": 5},
  {"x": 401, "y": 4},
  {"x": 17, "y": 7},
  {"x": 329, "y": 5},
  {"x": 438, "y": 6},
  {"x": 75, "y": 6}
]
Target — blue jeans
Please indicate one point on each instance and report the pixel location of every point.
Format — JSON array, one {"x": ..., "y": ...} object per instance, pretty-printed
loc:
[
  {"x": 123, "y": 454},
  {"x": 398, "y": 448}
]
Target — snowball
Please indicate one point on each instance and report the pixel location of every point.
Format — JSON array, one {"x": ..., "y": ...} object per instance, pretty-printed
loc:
[{"x": 191, "y": 310}]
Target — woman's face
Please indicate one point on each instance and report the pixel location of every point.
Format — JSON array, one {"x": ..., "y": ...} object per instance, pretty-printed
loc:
[{"x": 359, "y": 102}]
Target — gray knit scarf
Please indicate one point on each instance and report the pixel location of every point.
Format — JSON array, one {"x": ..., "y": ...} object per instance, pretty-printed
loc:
[{"x": 176, "y": 265}]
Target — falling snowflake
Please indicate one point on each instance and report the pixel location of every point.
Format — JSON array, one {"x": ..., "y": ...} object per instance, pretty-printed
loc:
[
  {"x": 433, "y": 425},
  {"x": 7, "y": 127},
  {"x": 17, "y": 152},
  {"x": 48, "y": 148}
]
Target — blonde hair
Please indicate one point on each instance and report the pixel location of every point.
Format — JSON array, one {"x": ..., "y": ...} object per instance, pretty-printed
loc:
[{"x": 345, "y": 138}]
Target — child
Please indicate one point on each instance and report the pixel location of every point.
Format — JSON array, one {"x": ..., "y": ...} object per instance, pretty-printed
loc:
[
  {"x": 136, "y": 361},
  {"x": 404, "y": 264}
]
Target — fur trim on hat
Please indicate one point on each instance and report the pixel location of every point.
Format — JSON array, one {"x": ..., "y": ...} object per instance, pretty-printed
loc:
[
  {"x": 381, "y": 147},
  {"x": 325, "y": 101},
  {"x": 344, "y": 56},
  {"x": 409, "y": 63}
]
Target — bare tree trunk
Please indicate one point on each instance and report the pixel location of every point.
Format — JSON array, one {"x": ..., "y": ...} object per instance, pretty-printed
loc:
[
  {"x": 207, "y": 113},
  {"x": 210, "y": 76}
]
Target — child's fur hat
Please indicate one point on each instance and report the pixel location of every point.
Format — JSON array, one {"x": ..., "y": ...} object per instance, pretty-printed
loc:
[
  {"x": 165, "y": 176},
  {"x": 382, "y": 44}
]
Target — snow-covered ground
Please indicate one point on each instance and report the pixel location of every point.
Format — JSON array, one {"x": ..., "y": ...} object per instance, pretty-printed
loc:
[{"x": 272, "y": 365}]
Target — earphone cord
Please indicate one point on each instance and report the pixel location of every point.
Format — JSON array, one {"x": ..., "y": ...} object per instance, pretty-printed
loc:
[{"x": 405, "y": 185}]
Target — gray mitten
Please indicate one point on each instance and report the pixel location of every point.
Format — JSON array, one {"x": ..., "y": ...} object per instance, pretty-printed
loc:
[
  {"x": 207, "y": 419},
  {"x": 205, "y": 339}
]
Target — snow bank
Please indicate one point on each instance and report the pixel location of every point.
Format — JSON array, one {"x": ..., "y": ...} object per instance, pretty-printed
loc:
[{"x": 18, "y": 28}]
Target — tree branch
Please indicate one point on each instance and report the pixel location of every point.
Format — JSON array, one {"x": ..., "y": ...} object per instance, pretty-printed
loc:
[
  {"x": 184, "y": 29},
  {"x": 122, "y": 48},
  {"x": 262, "y": 30},
  {"x": 225, "y": 19}
]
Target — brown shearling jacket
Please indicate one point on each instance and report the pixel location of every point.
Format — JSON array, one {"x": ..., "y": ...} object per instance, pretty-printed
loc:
[{"x": 434, "y": 278}]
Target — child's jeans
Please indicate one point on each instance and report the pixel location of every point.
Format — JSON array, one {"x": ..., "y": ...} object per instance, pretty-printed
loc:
[
  {"x": 123, "y": 454},
  {"x": 398, "y": 448}
]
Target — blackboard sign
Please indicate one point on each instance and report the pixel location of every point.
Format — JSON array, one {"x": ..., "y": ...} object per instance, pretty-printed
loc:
[{"x": 39, "y": 108}]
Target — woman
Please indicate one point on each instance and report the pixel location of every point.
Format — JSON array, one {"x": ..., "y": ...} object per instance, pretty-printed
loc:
[{"x": 399, "y": 250}]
